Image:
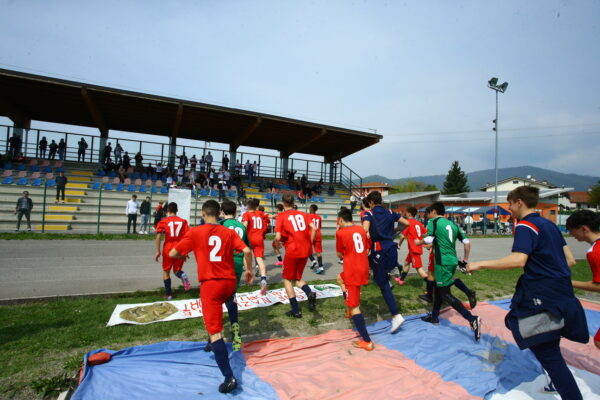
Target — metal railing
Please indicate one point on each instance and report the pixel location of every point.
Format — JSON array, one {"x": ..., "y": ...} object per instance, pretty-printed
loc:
[{"x": 155, "y": 152}]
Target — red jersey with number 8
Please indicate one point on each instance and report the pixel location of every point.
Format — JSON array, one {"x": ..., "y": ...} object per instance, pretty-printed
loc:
[
  {"x": 174, "y": 228},
  {"x": 213, "y": 247},
  {"x": 351, "y": 241},
  {"x": 293, "y": 225}
]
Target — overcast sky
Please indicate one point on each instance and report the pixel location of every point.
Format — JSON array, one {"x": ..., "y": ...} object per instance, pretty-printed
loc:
[{"x": 416, "y": 71}]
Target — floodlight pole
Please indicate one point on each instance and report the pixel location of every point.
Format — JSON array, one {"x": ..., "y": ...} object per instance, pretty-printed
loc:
[{"x": 493, "y": 84}]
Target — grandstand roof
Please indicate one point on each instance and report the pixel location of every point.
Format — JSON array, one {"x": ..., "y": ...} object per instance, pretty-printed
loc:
[{"x": 34, "y": 97}]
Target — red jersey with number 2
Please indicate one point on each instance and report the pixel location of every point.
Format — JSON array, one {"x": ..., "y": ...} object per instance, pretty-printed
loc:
[
  {"x": 213, "y": 247},
  {"x": 351, "y": 241},
  {"x": 174, "y": 228},
  {"x": 293, "y": 225}
]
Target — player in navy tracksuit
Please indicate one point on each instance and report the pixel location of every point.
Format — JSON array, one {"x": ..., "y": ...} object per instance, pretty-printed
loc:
[{"x": 544, "y": 307}]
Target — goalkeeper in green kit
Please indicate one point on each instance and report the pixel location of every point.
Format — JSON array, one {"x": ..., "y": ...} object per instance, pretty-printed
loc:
[{"x": 443, "y": 233}]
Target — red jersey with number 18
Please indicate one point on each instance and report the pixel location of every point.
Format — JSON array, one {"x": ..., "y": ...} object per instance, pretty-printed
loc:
[
  {"x": 351, "y": 241},
  {"x": 213, "y": 247},
  {"x": 174, "y": 228},
  {"x": 293, "y": 225}
]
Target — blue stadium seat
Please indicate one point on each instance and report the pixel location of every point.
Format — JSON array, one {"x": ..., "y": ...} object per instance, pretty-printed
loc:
[
  {"x": 47, "y": 169},
  {"x": 232, "y": 193},
  {"x": 101, "y": 173},
  {"x": 37, "y": 182},
  {"x": 134, "y": 175},
  {"x": 96, "y": 185},
  {"x": 34, "y": 168},
  {"x": 59, "y": 170},
  {"x": 214, "y": 193},
  {"x": 51, "y": 182},
  {"x": 277, "y": 197},
  {"x": 203, "y": 192},
  {"x": 314, "y": 199},
  {"x": 8, "y": 180},
  {"x": 164, "y": 189},
  {"x": 108, "y": 186},
  {"x": 321, "y": 200},
  {"x": 163, "y": 178},
  {"x": 21, "y": 167},
  {"x": 143, "y": 176},
  {"x": 23, "y": 181},
  {"x": 8, "y": 165},
  {"x": 154, "y": 178},
  {"x": 131, "y": 188},
  {"x": 142, "y": 189},
  {"x": 268, "y": 196},
  {"x": 112, "y": 174},
  {"x": 153, "y": 189},
  {"x": 120, "y": 187}
]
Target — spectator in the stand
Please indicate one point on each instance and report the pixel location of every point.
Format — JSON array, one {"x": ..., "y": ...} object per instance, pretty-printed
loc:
[
  {"x": 209, "y": 161},
  {"x": 331, "y": 190},
  {"x": 21, "y": 158},
  {"x": 14, "y": 145},
  {"x": 145, "y": 214},
  {"x": 1, "y": 161},
  {"x": 149, "y": 170},
  {"x": 53, "y": 148},
  {"x": 24, "y": 207},
  {"x": 183, "y": 160},
  {"x": 82, "y": 147},
  {"x": 202, "y": 164},
  {"x": 106, "y": 153},
  {"x": 212, "y": 178},
  {"x": 247, "y": 169},
  {"x": 61, "y": 184},
  {"x": 227, "y": 177},
  {"x": 238, "y": 167},
  {"x": 291, "y": 177},
  {"x": 118, "y": 154},
  {"x": 138, "y": 159},
  {"x": 193, "y": 162},
  {"x": 352, "y": 203},
  {"x": 126, "y": 161},
  {"x": 131, "y": 211},
  {"x": 42, "y": 147},
  {"x": 254, "y": 170},
  {"x": 159, "y": 171},
  {"x": 122, "y": 174},
  {"x": 225, "y": 162},
  {"x": 62, "y": 149},
  {"x": 169, "y": 180},
  {"x": 180, "y": 172}
]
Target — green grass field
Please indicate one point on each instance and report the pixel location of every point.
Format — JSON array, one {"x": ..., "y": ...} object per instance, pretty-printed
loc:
[{"x": 42, "y": 344}]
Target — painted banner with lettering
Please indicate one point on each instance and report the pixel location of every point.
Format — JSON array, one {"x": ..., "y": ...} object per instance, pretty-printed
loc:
[{"x": 148, "y": 313}]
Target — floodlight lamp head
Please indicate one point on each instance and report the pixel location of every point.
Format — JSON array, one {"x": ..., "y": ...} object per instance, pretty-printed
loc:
[
  {"x": 492, "y": 82},
  {"x": 503, "y": 87}
]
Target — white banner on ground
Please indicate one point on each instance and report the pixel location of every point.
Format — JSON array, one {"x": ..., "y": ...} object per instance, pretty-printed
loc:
[
  {"x": 148, "y": 313},
  {"x": 183, "y": 198}
]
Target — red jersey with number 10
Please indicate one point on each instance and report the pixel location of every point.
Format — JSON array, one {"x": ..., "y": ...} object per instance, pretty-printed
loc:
[
  {"x": 414, "y": 230},
  {"x": 174, "y": 228},
  {"x": 256, "y": 223},
  {"x": 293, "y": 225},
  {"x": 351, "y": 241},
  {"x": 213, "y": 247}
]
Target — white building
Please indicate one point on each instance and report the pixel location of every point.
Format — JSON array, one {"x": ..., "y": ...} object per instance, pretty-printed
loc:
[{"x": 506, "y": 185}]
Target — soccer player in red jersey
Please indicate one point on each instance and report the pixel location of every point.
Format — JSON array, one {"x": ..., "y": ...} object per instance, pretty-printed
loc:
[
  {"x": 254, "y": 221},
  {"x": 213, "y": 246},
  {"x": 277, "y": 246},
  {"x": 318, "y": 244},
  {"x": 174, "y": 228},
  {"x": 297, "y": 233},
  {"x": 584, "y": 225},
  {"x": 351, "y": 245},
  {"x": 414, "y": 231}
]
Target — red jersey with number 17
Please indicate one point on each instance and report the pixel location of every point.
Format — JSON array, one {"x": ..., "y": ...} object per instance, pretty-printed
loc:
[
  {"x": 174, "y": 228},
  {"x": 213, "y": 247},
  {"x": 414, "y": 230},
  {"x": 351, "y": 241},
  {"x": 293, "y": 225}
]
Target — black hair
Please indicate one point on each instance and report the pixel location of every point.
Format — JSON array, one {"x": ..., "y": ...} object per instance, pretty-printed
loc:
[
  {"x": 439, "y": 208},
  {"x": 375, "y": 197},
  {"x": 584, "y": 217},
  {"x": 528, "y": 194},
  {"x": 288, "y": 199},
  {"x": 365, "y": 202},
  {"x": 172, "y": 207},
  {"x": 345, "y": 215},
  {"x": 228, "y": 207},
  {"x": 279, "y": 207},
  {"x": 211, "y": 208},
  {"x": 313, "y": 208},
  {"x": 412, "y": 211}
]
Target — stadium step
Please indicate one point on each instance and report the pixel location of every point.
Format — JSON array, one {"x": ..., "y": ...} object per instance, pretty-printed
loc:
[
  {"x": 76, "y": 186},
  {"x": 79, "y": 179},
  {"x": 60, "y": 217},
  {"x": 82, "y": 173},
  {"x": 53, "y": 227},
  {"x": 75, "y": 193},
  {"x": 63, "y": 208}
]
